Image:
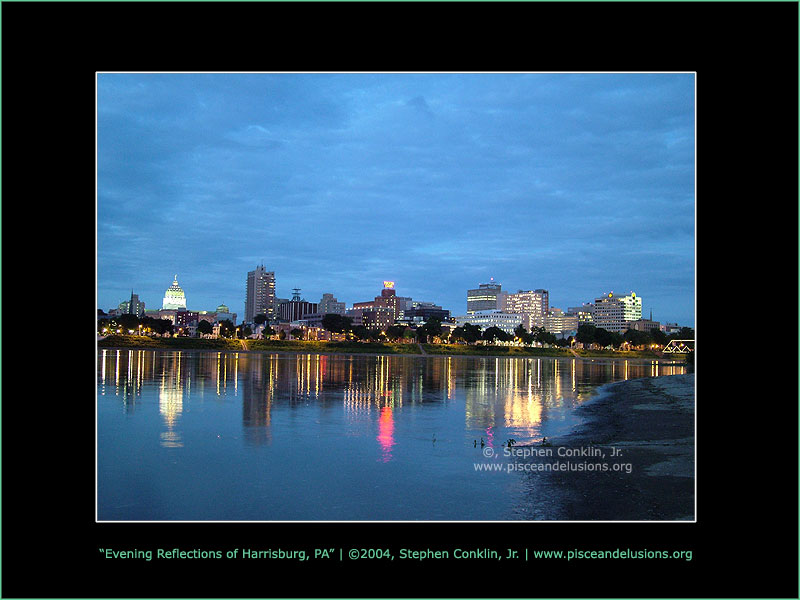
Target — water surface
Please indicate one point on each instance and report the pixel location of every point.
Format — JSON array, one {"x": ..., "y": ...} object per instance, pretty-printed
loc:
[{"x": 222, "y": 436}]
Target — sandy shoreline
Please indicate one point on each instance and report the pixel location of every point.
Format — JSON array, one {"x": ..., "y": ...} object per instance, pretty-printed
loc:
[{"x": 642, "y": 430}]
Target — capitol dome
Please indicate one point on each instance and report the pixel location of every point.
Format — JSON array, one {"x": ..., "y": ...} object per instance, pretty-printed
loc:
[
  {"x": 222, "y": 309},
  {"x": 174, "y": 298}
]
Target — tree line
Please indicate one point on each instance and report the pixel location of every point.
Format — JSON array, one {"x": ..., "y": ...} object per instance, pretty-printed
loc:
[
  {"x": 144, "y": 325},
  {"x": 587, "y": 333}
]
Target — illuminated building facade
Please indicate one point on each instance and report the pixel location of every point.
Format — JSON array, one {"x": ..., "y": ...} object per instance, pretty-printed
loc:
[
  {"x": 585, "y": 312},
  {"x": 612, "y": 311},
  {"x": 134, "y": 306},
  {"x": 507, "y": 322},
  {"x": 426, "y": 310},
  {"x": 377, "y": 317},
  {"x": 532, "y": 305},
  {"x": 174, "y": 298},
  {"x": 260, "y": 295},
  {"x": 487, "y": 296},
  {"x": 557, "y": 321},
  {"x": 296, "y": 309},
  {"x": 190, "y": 318},
  {"x": 379, "y": 313}
]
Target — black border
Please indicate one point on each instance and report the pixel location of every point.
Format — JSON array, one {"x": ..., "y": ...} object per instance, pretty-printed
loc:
[{"x": 745, "y": 56}]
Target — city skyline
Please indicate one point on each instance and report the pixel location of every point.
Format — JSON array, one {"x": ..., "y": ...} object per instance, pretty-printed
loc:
[
  {"x": 579, "y": 184},
  {"x": 391, "y": 285}
]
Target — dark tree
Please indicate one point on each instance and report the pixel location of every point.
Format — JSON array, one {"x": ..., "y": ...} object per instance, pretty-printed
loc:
[
  {"x": 637, "y": 338},
  {"x": 337, "y": 323},
  {"x": 659, "y": 337},
  {"x": 163, "y": 326},
  {"x": 543, "y": 336},
  {"x": 495, "y": 333},
  {"x": 605, "y": 338},
  {"x": 360, "y": 332},
  {"x": 374, "y": 335},
  {"x": 433, "y": 327},
  {"x": 586, "y": 333},
  {"x": 472, "y": 333},
  {"x": 395, "y": 332},
  {"x": 128, "y": 322},
  {"x": 226, "y": 328}
]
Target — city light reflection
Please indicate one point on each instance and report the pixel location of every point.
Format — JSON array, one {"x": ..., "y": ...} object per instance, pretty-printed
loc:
[
  {"x": 386, "y": 433},
  {"x": 514, "y": 395}
]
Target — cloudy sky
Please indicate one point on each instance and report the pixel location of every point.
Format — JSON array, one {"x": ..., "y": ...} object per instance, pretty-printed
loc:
[{"x": 580, "y": 184}]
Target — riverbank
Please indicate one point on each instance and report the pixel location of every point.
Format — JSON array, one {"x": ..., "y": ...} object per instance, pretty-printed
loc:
[
  {"x": 133, "y": 342},
  {"x": 642, "y": 430}
]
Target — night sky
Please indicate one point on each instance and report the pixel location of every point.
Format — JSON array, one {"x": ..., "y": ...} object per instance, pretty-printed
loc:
[{"x": 580, "y": 184}]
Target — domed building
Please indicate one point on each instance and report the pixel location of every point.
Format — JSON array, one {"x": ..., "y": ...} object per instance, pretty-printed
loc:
[
  {"x": 223, "y": 309},
  {"x": 174, "y": 298}
]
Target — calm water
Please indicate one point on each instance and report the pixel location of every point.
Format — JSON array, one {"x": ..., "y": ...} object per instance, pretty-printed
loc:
[{"x": 195, "y": 435}]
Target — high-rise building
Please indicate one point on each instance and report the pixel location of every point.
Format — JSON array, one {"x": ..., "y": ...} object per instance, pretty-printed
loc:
[
  {"x": 174, "y": 298},
  {"x": 404, "y": 303},
  {"x": 296, "y": 308},
  {"x": 557, "y": 321},
  {"x": 387, "y": 299},
  {"x": 330, "y": 305},
  {"x": 532, "y": 305},
  {"x": 584, "y": 312},
  {"x": 260, "y": 296},
  {"x": 487, "y": 296},
  {"x": 426, "y": 310},
  {"x": 612, "y": 311},
  {"x": 377, "y": 317},
  {"x": 381, "y": 312},
  {"x": 135, "y": 306}
]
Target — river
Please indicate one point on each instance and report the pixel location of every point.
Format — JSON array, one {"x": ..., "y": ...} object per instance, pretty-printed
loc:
[{"x": 225, "y": 436}]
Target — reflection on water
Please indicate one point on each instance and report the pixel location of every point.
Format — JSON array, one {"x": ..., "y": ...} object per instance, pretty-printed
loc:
[
  {"x": 384, "y": 409},
  {"x": 386, "y": 433}
]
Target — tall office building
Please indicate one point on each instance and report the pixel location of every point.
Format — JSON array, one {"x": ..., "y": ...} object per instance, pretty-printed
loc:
[
  {"x": 260, "y": 297},
  {"x": 136, "y": 306},
  {"x": 612, "y": 311},
  {"x": 174, "y": 298},
  {"x": 532, "y": 305},
  {"x": 330, "y": 305},
  {"x": 426, "y": 310},
  {"x": 487, "y": 296},
  {"x": 557, "y": 321},
  {"x": 381, "y": 312},
  {"x": 584, "y": 312},
  {"x": 296, "y": 308}
]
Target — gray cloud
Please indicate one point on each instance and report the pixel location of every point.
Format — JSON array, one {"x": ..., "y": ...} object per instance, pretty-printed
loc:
[{"x": 571, "y": 182}]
